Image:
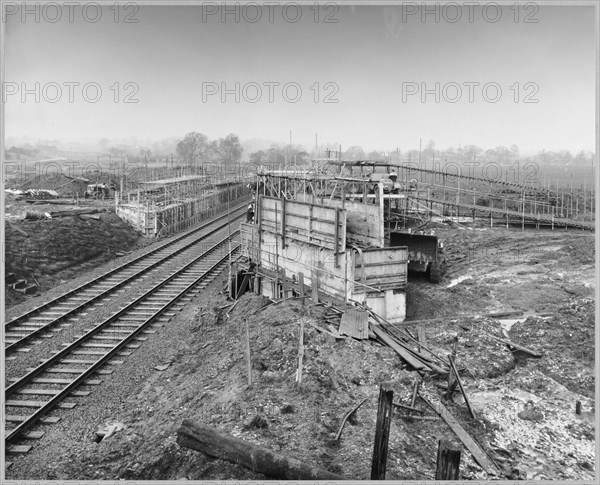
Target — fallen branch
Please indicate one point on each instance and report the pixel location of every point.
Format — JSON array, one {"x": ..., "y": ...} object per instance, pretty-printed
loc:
[
  {"x": 404, "y": 406},
  {"x": 214, "y": 443},
  {"x": 516, "y": 346},
  {"x": 346, "y": 416}
]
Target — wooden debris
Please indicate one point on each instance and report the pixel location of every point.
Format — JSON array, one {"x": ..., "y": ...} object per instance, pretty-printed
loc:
[
  {"x": 401, "y": 337},
  {"x": 401, "y": 351},
  {"x": 448, "y": 461},
  {"x": 19, "y": 230},
  {"x": 216, "y": 444},
  {"x": 75, "y": 212},
  {"x": 382, "y": 434},
  {"x": 335, "y": 333},
  {"x": 346, "y": 416},
  {"x": 422, "y": 338},
  {"x": 355, "y": 323},
  {"x": 478, "y": 454},
  {"x": 323, "y": 329},
  {"x": 404, "y": 406},
  {"x": 413, "y": 398},
  {"x": 462, "y": 389},
  {"x": 516, "y": 346},
  {"x": 300, "y": 353},
  {"x": 248, "y": 356}
]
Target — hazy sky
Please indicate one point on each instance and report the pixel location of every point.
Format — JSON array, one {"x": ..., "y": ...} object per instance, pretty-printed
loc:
[{"x": 372, "y": 60}]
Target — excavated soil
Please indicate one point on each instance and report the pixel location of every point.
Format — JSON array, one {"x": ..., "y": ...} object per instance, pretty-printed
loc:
[{"x": 53, "y": 251}]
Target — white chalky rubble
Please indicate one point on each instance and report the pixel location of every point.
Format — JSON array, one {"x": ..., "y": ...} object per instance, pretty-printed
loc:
[{"x": 540, "y": 444}]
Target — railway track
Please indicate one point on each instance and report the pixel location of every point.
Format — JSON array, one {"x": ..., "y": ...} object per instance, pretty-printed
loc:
[
  {"x": 45, "y": 387},
  {"x": 66, "y": 309}
]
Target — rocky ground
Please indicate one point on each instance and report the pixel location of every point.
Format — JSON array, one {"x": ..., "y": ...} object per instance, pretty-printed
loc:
[{"x": 547, "y": 275}]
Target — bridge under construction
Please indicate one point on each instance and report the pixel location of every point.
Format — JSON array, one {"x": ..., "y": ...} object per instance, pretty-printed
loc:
[{"x": 421, "y": 194}]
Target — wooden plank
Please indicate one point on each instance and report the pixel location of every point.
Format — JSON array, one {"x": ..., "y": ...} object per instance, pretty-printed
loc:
[
  {"x": 427, "y": 357},
  {"x": 462, "y": 389},
  {"x": 478, "y": 454},
  {"x": 304, "y": 221},
  {"x": 401, "y": 335},
  {"x": 422, "y": 338},
  {"x": 402, "y": 352}
]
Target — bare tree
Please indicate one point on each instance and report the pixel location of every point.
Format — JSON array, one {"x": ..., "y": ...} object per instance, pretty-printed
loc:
[{"x": 193, "y": 147}]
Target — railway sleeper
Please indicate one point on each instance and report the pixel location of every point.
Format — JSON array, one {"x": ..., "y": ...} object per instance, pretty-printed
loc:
[
  {"x": 11, "y": 418},
  {"x": 51, "y": 392},
  {"x": 79, "y": 361},
  {"x": 74, "y": 371},
  {"x": 107, "y": 346},
  {"x": 44, "y": 380},
  {"x": 38, "y": 404},
  {"x": 122, "y": 353}
]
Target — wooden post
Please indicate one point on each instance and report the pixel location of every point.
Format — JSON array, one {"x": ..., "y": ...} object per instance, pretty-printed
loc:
[
  {"x": 413, "y": 399},
  {"x": 284, "y": 284},
  {"x": 578, "y": 407},
  {"x": 248, "y": 358},
  {"x": 382, "y": 433},
  {"x": 300, "y": 352},
  {"x": 301, "y": 285},
  {"x": 448, "y": 461},
  {"x": 315, "y": 286}
]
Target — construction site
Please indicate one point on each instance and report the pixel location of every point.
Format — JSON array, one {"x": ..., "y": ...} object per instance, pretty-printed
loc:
[{"x": 334, "y": 321}]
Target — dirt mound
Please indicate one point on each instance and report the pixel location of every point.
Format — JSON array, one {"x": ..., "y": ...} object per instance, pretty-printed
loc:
[
  {"x": 59, "y": 249},
  {"x": 478, "y": 353},
  {"x": 61, "y": 183},
  {"x": 566, "y": 341}
]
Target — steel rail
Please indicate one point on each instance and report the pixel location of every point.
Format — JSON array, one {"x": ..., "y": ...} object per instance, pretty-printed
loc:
[
  {"x": 32, "y": 419},
  {"x": 14, "y": 321},
  {"x": 44, "y": 328}
]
